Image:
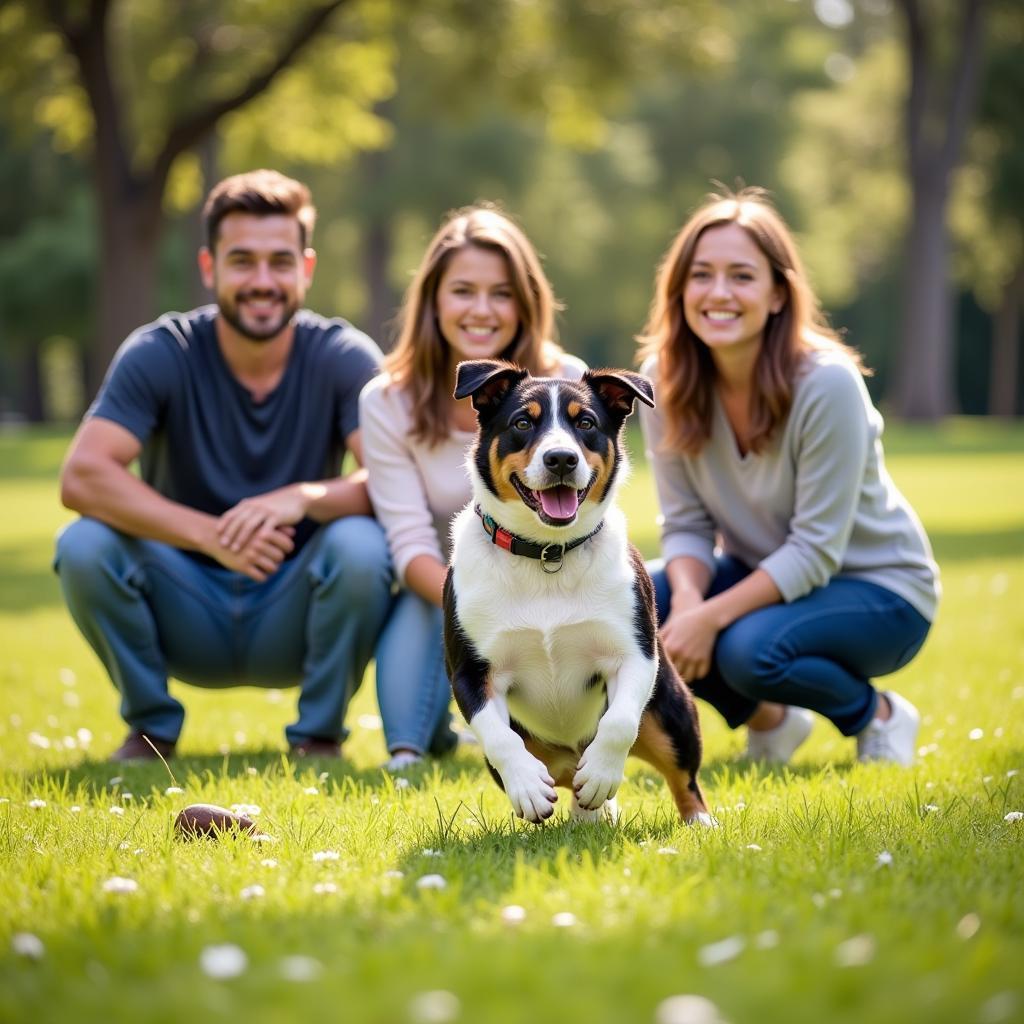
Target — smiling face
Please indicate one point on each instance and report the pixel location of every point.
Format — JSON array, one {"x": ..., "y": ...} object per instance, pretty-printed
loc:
[
  {"x": 729, "y": 291},
  {"x": 259, "y": 273},
  {"x": 476, "y": 304},
  {"x": 548, "y": 452}
]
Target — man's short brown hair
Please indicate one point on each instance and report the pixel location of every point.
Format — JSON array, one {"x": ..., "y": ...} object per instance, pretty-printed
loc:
[{"x": 262, "y": 193}]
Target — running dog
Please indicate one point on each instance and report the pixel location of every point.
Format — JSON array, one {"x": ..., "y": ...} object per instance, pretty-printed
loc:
[{"x": 550, "y": 632}]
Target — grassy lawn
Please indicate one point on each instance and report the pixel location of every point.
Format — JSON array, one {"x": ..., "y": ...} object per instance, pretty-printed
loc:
[{"x": 832, "y": 892}]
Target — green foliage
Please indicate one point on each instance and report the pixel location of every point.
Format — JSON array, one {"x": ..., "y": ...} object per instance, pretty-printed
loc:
[{"x": 824, "y": 928}]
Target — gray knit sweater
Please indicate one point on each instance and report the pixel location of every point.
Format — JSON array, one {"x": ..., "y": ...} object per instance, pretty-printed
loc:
[{"x": 816, "y": 503}]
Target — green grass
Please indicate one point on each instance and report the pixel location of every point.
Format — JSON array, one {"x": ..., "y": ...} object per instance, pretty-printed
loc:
[{"x": 793, "y": 873}]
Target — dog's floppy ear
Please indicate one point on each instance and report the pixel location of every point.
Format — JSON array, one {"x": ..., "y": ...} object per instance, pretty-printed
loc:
[
  {"x": 618, "y": 389},
  {"x": 487, "y": 381}
]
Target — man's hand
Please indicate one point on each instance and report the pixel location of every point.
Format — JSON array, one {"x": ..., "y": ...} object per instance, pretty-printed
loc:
[
  {"x": 688, "y": 636},
  {"x": 263, "y": 514},
  {"x": 262, "y": 555}
]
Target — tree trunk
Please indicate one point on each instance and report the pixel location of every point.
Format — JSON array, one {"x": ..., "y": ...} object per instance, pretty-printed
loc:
[
  {"x": 1005, "y": 369},
  {"x": 30, "y": 399},
  {"x": 939, "y": 107},
  {"x": 925, "y": 388},
  {"x": 382, "y": 304},
  {"x": 130, "y": 230}
]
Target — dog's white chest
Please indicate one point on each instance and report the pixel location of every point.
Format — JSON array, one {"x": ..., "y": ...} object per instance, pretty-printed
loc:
[{"x": 550, "y": 640}]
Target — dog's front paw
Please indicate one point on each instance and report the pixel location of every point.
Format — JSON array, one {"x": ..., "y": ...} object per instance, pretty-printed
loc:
[
  {"x": 598, "y": 776},
  {"x": 531, "y": 789}
]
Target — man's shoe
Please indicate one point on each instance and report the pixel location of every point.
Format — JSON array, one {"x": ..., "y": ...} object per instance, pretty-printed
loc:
[
  {"x": 895, "y": 739},
  {"x": 779, "y": 744},
  {"x": 136, "y": 747},
  {"x": 315, "y": 746}
]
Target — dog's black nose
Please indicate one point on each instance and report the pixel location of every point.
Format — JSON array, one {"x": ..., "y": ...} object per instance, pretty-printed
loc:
[{"x": 561, "y": 460}]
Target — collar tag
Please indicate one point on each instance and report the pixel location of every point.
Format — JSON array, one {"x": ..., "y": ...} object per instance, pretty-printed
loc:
[{"x": 551, "y": 556}]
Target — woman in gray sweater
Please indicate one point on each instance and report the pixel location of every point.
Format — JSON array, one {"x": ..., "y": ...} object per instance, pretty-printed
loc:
[{"x": 794, "y": 571}]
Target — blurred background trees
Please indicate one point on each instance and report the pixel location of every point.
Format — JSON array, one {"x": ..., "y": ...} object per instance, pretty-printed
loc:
[{"x": 888, "y": 131}]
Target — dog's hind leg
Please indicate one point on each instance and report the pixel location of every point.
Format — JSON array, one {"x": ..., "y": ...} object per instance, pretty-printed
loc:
[{"x": 656, "y": 745}]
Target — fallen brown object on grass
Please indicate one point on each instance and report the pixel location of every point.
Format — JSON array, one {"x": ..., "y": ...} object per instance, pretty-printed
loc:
[{"x": 209, "y": 820}]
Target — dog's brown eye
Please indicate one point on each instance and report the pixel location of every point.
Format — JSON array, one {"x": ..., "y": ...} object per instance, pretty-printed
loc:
[
  {"x": 523, "y": 423},
  {"x": 586, "y": 423}
]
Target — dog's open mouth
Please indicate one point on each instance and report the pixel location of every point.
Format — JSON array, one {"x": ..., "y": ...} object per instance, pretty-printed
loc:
[{"x": 556, "y": 506}]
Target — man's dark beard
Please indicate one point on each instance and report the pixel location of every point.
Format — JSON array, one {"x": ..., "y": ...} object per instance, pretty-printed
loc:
[{"x": 232, "y": 316}]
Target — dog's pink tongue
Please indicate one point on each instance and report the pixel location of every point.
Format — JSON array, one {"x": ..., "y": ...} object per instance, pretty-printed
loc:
[{"x": 559, "y": 502}]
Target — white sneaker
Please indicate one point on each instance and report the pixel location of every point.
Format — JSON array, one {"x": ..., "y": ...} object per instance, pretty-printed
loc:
[
  {"x": 403, "y": 760},
  {"x": 895, "y": 739},
  {"x": 779, "y": 744}
]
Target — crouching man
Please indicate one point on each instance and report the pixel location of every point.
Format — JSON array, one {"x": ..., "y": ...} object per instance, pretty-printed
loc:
[{"x": 238, "y": 556}]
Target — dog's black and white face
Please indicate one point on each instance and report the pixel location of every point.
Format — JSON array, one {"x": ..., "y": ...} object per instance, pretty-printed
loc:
[{"x": 548, "y": 455}]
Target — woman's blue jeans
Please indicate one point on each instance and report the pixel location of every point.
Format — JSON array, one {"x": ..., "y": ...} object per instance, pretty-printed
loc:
[
  {"x": 818, "y": 652},
  {"x": 413, "y": 691},
  {"x": 149, "y": 610}
]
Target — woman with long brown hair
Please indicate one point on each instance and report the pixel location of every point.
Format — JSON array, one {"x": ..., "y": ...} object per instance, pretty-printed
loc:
[
  {"x": 794, "y": 571},
  {"x": 480, "y": 293}
]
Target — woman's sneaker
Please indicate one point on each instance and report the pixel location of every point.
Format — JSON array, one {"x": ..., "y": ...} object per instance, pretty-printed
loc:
[
  {"x": 895, "y": 739},
  {"x": 779, "y": 744}
]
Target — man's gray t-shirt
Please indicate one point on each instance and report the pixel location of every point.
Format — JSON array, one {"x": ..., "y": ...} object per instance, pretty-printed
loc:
[{"x": 205, "y": 442}]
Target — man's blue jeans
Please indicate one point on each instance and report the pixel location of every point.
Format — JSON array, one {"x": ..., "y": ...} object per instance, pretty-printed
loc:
[
  {"x": 818, "y": 652},
  {"x": 149, "y": 610},
  {"x": 413, "y": 691}
]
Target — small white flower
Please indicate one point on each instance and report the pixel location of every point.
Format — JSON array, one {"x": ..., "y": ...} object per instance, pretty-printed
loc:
[
  {"x": 968, "y": 925},
  {"x": 1012, "y": 772},
  {"x": 1002, "y": 1006},
  {"x": 67, "y": 676},
  {"x": 299, "y": 968},
  {"x": 437, "y": 1007},
  {"x": 754, "y": 847},
  {"x": 1013, "y": 816},
  {"x": 720, "y": 952},
  {"x": 929, "y": 808},
  {"x": 84, "y": 736},
  {"x": 124, "y": 846},
  {"x": 431, "y": 853},
  {"x": 401, "y": 782},
  {"x": 261, "y": 837},
  {"x": 855, "y": 952},
  {"x": 564, "y": 919},
  {"x": 687, "y": 1010},
  {"x": 253, "y": 892},
  {"x": 884, "y": 859},
  {"x": 513, "y": 914},
  {"x": 835, "y": 893},
  {"x": 138, "y": 852},
  {"x": 27, "y": 944},
  {"x": 976, "y": 734},
  {"x": 222, "y": 962},
  {"x": 371, "y": 722},
  {"x": 115, "y": 781},
  {"x": 311, "y": 791},
  {"x": 249, "y": 810},
  {"x": 36, "y": 804},
  {"x": 117, "y": 884},
  {"x": 117, "y": 810},
  {"x": 432, "y": 882},
  {"x": 268, "y": 862},
  {"x": 667, "y": 851},
  {"x": 173, "y": 791},
  {"x": 324, "y": 887},
  {"x": 394, "y": 874},
  {"x": 75, "y": 809},
  {"x": 127, "y": 796},
  {"x": 36, "y": 739},
  {"x": 818, "y": 899},
  {"x": 768, "y": 939},
  {"x": 325, "y": 855}
]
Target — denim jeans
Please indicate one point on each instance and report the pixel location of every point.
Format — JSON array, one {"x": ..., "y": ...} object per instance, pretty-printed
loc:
[
  {"x": 818, "y": 652},
  {"x": 149, "y": 610},
  {"x": 413, "y": 691}
]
